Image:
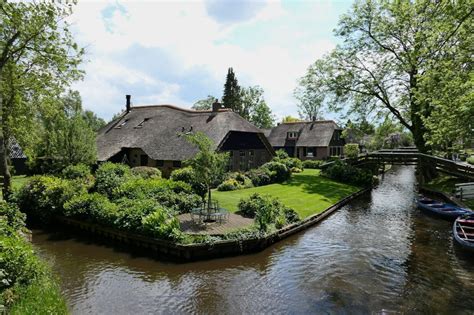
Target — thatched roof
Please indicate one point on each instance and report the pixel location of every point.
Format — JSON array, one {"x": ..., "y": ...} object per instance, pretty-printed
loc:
[
  {"x": 15, "y": 151},
  {"x": 158, "y": 129},
  {"x": 311, "y": 133}
]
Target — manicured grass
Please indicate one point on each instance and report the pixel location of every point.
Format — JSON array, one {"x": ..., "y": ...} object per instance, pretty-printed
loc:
[
  {"x": 17, "y": 182},
  {"x": 307, "y": 192},
  {"x": 445, "y": 183}
]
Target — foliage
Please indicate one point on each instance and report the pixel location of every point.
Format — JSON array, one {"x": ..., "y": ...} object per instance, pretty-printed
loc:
[
  {"x": 310, "y": 104},
  {"x": 351, "y": 150},
  {"x": 43, "y": 197},
  {"x": 347, "y": 173},
  {"x": 79, "y": 171},
  {"x": 229, "y": 184},
  {"x": 91, "y": 119},
  {"x": 279, "y": 171},
  {"x": 204, "y": 104},
  {"x": 131, "y": 211},
  {"x": 12, "y": 215},
  {"x": 295, "y": 170},
  {"x": 26, "y": 285},
  {"x": 260, "y": 176},
  {"x": 66, "y": 137},
  {"x": 186, "y": 175},
  {"x": 110, "y": 176},
  {"x": 91, "y": 207},
  {"x": 290, "y": 162},
  {"x": 254, "y": 107},
  {"x": 356, "y": 132},
  {"x": 401, "y": 58},
  {"x": 289, "y": 119},
  {"x": 161, "y": 224},
  {"x": 267, "y": 210},
  {"x": 38, "y": 59},
  {"x": 315, "y": 164},
  {"x": 232, "y": 97},
  {"x": 208, "y": 165},
  {"x": 281, "y": 154},
  {"x": 146, "y": 172},
  {"x": 389, "y": 135},
  {"x": 470, "y": 160}
]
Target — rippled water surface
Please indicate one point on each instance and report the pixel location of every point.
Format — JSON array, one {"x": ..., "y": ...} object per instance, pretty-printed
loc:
[{"x": 377, "y": 254}]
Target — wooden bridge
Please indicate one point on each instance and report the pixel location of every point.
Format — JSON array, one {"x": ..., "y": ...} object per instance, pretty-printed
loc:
[{"x": 411, "y": 156}]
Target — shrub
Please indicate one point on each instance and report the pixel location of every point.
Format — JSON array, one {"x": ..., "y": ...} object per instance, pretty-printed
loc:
[
  {"x": 131, "y": 212},
  {"x": 139, "y": 188},
  {"x": 146, "y": 172},
  {"x": 161, "y": 224},
  {"x": 260, "y": 176},
  {"x": 296, "y": 170},
  {"x": 351, "y": 150},
  {"x": 230, "y": 184},
  {"x": 344, "y": 172},
  {"x": 44, "y": 196},
  {"x": 186, "y": 175},
  {"x": 91, "y": 207},
  {"x": 12, "y": 215},
  {"x": 314, "y": 164},
  {"x": 470, "y": 160},
  {"x": 281, "y": 154},
  {"x": 110, "y": 176},
  {"x": 79, "y": 171},
  {"x": 267, "y": 210},
  {"x": 241, "y": 178},
  {"x": 279, "y": 171},
  {"x": 180, "y": 202},
  {"x": 292, "y": 162}
]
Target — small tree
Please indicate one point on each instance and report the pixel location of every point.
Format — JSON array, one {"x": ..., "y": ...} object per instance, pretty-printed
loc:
[
  {"x": 208, "y": 165},
  {"x": 232, "y": 96},
  {"x": 204, "y": 104},
  {"x": 351, "y": 150}
]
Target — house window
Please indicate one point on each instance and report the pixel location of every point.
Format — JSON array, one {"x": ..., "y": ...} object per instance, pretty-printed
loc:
[
  {"x": 176, "y": 163},
  {"x": 123, "y": 123},
  {"x": 160, "y": 163},
  {"x": 242, "y": 153},
  {"x": 143, "y": 160},
  {"x": 310, "y": 152},
  {"x": 142, "y": 122},
  {"x": 292, "y": 135}
]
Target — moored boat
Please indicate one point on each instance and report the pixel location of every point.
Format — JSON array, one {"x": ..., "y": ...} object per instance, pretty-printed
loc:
[
  {"x": 444, "y": 210},
  {"x": 463, "y": 231}
]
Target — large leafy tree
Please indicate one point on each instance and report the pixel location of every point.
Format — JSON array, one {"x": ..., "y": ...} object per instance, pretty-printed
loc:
[
  {"x": 254, "y": 107},
  {"x": 67, "y": 136},
  {"x": 232, "y": 96},
  {"x": 208, "y": 165},
  {"x": 310, "y": 102},
  {"x": 204, "y": 104},
  {"x": 401, "y": 57},
  {"x": 38, "y": 58}
]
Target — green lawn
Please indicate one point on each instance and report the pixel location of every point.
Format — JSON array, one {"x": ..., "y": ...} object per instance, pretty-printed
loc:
[
  {"x": 445, "y": 183},
  {"x": 17, "y": 182},
  {"x": 307, "y": 192}
]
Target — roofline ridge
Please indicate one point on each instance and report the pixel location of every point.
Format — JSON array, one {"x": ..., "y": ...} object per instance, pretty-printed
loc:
[{"x": 187, "y": 110}]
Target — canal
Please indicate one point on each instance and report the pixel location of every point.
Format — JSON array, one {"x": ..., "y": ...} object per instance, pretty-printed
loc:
[{"x": 378, "y": 254}]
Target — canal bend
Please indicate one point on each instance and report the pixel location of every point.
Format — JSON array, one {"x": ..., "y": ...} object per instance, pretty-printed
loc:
[{"x": 377, "y": 254}]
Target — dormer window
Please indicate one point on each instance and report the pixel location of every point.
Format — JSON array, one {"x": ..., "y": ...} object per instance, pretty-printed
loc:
[
  {"x": 142, "y": 122},
  {"x": 123, "y": 123},
  {"x": 292, "y": 135}
]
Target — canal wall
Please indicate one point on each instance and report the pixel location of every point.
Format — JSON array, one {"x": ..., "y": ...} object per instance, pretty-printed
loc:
[{"x": 169, "y": 250}]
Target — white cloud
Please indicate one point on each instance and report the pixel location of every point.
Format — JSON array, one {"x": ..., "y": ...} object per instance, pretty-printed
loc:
[{"x": 191, "y": 38}]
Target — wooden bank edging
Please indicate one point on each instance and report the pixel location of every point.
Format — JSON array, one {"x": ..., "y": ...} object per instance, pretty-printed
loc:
[
  {"x": 191, "y": 252},
  {"x": 443, "y": 196}
]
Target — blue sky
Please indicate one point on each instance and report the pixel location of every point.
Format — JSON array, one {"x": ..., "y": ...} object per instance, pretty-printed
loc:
[{"x": 177, "y": 52}]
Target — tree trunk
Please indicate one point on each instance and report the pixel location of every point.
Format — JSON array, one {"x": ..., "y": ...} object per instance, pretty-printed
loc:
[
  {"x": 208, "y": 198},
  {"x": 4, "y": 166}
]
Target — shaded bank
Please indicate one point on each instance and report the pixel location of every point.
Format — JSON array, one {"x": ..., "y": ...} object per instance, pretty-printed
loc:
[{"x": 378, "y": 252}]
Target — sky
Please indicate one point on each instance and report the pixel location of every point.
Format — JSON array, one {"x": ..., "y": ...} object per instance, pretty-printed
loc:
[{"x": 178, "y": 52}]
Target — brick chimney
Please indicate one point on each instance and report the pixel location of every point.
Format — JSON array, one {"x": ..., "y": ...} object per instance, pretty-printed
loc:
[
  {"x": 216, "y": 106},
  {"x": 128, "y": 106}
]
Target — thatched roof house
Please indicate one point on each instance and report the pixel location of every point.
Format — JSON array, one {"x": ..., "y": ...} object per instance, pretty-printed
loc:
[
  {"x": 153, "y": 136},
  {"x": 316, "y": 139}
]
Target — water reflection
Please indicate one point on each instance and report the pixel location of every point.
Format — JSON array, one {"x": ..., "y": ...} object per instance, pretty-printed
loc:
[{"x": 379, "y": 253}]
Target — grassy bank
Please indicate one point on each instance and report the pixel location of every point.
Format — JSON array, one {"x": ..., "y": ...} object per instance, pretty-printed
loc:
[
  {"x": 307, "y": 193},
  {"x": 445, "y": 183},
  {"x": 17, "y": 182}
]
